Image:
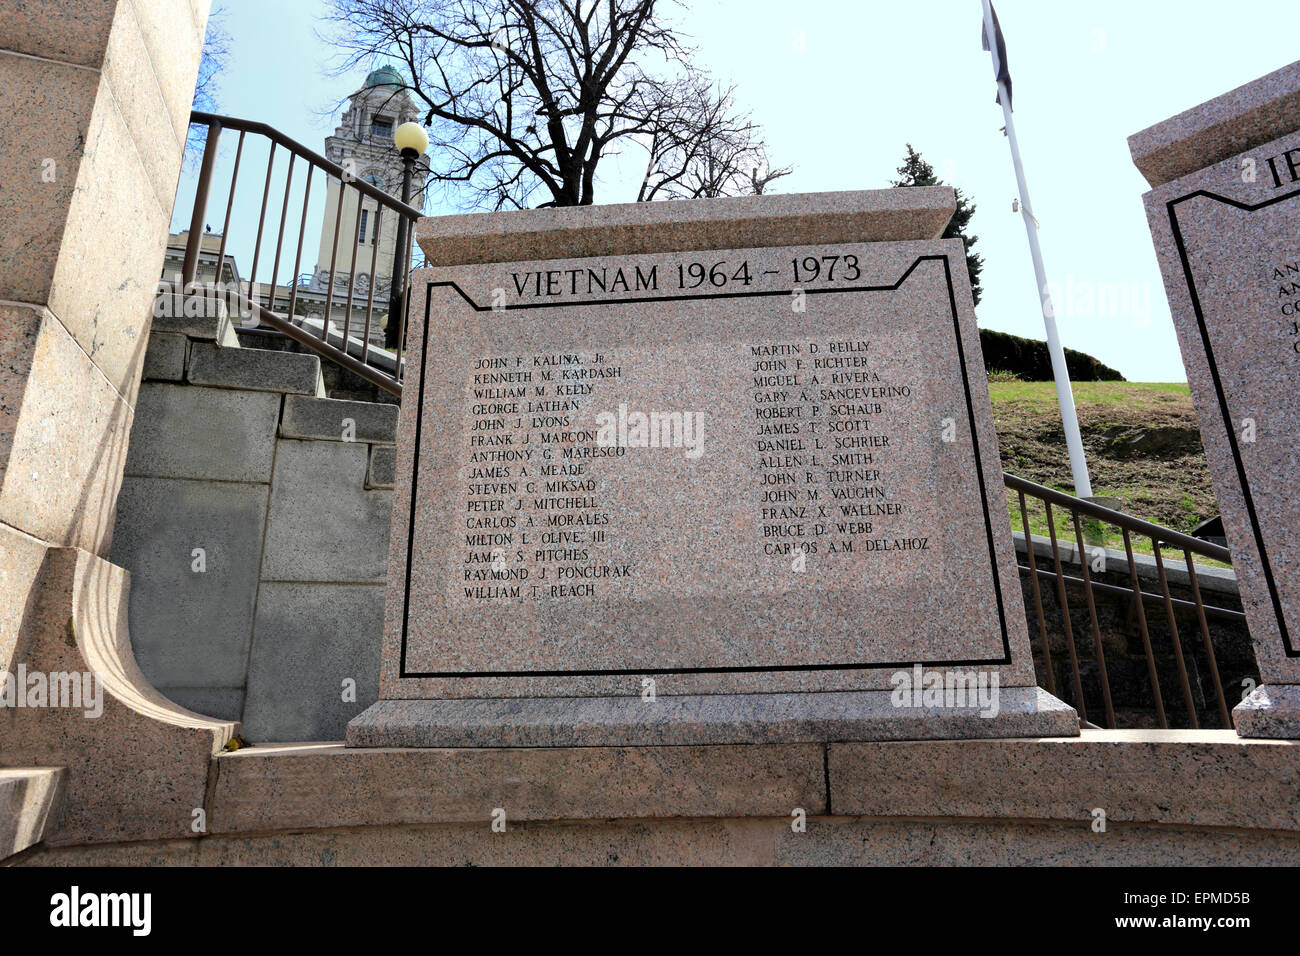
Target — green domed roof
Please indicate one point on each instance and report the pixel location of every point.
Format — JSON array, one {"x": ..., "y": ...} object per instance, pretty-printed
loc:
[{"x": 386, "y": 76}]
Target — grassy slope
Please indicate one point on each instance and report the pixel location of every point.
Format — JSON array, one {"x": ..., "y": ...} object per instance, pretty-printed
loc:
[{"x": 1168, "y": 484}]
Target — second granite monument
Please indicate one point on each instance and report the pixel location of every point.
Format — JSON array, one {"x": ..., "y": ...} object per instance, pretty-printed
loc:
[
  {"x": 696, "y": 472},
  {"x": 1223, "y": 209}
]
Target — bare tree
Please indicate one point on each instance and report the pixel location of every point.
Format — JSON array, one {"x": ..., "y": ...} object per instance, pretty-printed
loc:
[
  {"x": 702, "y": 147},
  {"x": 760, "y": 174},
  {"x": 216, "y": 51},
  {"x": 525, "y": 98}
]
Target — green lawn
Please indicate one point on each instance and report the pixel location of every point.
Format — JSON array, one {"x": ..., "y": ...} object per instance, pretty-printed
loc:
[
  {"x": 1140, "y": 395},
  {"x": 1143, "y": 447}
]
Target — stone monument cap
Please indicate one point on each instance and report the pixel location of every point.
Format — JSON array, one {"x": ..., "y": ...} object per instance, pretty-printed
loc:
[
  {"x": 1241, "y": 119},
  {"x": 687, "y": 225}
]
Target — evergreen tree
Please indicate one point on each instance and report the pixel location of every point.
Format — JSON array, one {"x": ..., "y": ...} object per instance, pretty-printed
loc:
[{"x": 915, "y": 171}]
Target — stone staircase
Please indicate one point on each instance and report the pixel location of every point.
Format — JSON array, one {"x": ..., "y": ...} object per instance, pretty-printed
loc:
[
  {"x": 202, "y": 348},
  {"x": 254, "y": 517}
]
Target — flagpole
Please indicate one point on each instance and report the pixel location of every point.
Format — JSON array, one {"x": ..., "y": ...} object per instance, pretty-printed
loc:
[{"x": 1060, "y": 371}]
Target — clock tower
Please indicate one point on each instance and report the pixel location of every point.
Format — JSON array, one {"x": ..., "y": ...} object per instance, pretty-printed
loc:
[{"x": 363, "y": 145}]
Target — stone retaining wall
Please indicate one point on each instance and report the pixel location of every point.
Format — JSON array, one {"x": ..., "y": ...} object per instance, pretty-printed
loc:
[{"x": 254, "y": 518}]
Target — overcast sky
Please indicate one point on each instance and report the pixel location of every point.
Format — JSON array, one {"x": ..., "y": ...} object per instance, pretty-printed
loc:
[{"x": 841, "y": 85}]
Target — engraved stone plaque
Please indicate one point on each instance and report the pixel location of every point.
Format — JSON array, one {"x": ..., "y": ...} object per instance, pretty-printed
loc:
[{"x": 651, "y": 496}]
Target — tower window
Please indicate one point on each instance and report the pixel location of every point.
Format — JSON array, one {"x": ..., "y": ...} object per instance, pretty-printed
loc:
[
  {"x": 364, "y": 214},
  {"x": 381, "y": 127}
]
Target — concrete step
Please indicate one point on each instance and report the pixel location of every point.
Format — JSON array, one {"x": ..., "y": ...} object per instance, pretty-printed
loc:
[
  {"x": 256, "y": 369},
  {"x": 30, "y": 800},
  {"x": 165, "y": 357},
  {"x": 336, "y": 420},
  {"x": 197, "y": 317},
  {"x": 370, "y": 353},
  {"x": 383, "y": 466}
]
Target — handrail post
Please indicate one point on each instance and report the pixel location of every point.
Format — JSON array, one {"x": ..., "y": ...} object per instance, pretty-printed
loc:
[
  {"x": 190, "y": 268},
  {"x": 397, "y": 291}
]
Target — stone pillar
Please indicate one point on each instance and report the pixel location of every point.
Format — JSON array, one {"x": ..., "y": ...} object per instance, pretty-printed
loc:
[
  {"x": 1224, "y": 210},
  {"x": 96, "y": 101},
  {"x": 95, "y": 98}
]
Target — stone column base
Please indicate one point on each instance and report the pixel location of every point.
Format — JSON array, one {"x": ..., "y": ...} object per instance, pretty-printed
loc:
[
  {"x": 702, "y": 719},
  {"x": 137, "y": 765},
  {"x": 1272, "y": 710}
]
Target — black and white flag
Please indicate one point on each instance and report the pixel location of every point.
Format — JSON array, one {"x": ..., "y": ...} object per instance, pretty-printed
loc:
[{"x": 999, "y": 52}]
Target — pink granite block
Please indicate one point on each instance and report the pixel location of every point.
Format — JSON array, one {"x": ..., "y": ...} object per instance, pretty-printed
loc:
[
  {"x": 31, "y": 799},
  {"x": 1208, "y": 778},
  {"x": 857, "y": 842},
  {"x": 20, "y": 328},
  {"x": 1254, "y": 113},
  {"x": 66, "y": 434},
  {"x": 295, "y": 786},
  {"x": 151, "y": 854},
  {"x": 688, "y": 224},
  {"x": 826, "y": 841},
  {"x": 674, "y": 720},
  {"x": 21, "y": 561},
  {"x": 103, "y": 291},
  {"x": 1269, "y": 711},
  {"x": 1225, "y": 238},
  {"x": 47, "y": 110},
  {"x": 173, "y": 33},
  {"x": 840, "y": 520},
  {"x": 58, "y": 30},
  {"x": 133, "y": 79},
  {"x": 630, "y": 843}
]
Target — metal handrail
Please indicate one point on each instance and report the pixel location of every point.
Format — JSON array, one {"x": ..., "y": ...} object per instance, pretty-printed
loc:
[
  {"x": 325, "y": 349},
  {"x": 1118, "y": 518},
  {"x": 1133, "y": 594},
  {"x": 265, "y": 311},
  {"x": 315, "y": 158}
]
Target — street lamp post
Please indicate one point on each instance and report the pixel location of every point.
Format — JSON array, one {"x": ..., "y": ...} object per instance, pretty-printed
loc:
[{"x": 411, "y": 141}]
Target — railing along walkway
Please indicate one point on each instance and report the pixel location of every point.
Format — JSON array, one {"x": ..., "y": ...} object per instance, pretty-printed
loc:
[
  {"x": 351, "y": 189},
  {"x": 1089, "y": 558}
]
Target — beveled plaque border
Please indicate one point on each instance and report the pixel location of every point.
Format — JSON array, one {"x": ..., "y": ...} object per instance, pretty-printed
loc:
[
  {"x": 1005, "y": 659},
  {"x": 1206, "y": 347}
]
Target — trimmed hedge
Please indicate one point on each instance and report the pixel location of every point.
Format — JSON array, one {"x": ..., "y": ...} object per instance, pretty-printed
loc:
[{"x": 1028, "y": 360}]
